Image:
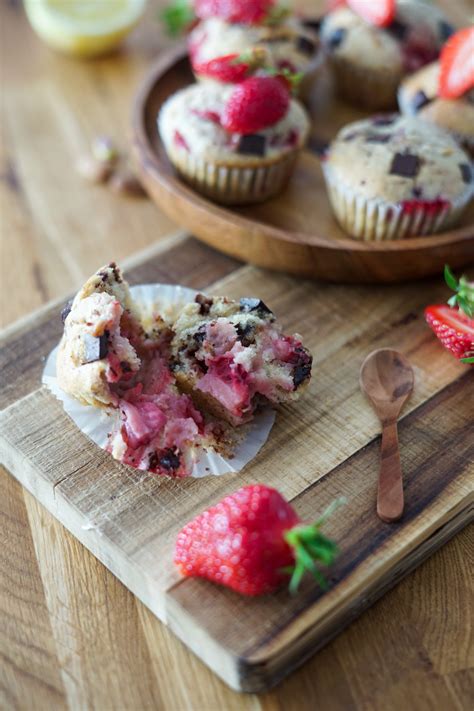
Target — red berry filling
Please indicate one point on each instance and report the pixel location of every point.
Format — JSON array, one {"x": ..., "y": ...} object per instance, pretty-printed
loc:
[
  {"x": 207, "y": 115},
  {"x": 429, "y": 207},
  {"x": 180, "y": 140}
]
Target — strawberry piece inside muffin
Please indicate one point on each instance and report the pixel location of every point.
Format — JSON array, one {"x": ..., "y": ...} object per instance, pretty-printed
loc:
[{"x": 231, "y": 356}]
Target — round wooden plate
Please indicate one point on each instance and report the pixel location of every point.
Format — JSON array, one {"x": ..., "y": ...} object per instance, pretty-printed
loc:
[{"x": 296, "y": 231}]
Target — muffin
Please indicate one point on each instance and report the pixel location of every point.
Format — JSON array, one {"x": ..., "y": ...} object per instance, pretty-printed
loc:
[
  {"x": 391, "y": 177},
  {"x": 234, "y": 144},
  {"x": 443, "y": 92},
  {"x": 369, "y": 61},
  {"x": 227, "y": 52},
  {"x": 231, "y": 356}
]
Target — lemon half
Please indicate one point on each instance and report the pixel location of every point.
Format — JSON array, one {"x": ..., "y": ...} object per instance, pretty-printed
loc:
[{"x": 84, "y": 28}]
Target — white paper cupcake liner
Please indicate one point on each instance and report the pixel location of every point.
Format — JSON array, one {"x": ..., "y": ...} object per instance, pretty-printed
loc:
[
  {"x": 376, "y": 219},
  {"x": 96, "y": 423},
  {"x": 235, "y": 184}
]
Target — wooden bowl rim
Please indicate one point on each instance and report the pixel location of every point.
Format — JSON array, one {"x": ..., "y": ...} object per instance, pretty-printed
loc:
[{"x": 173, "y": 185}]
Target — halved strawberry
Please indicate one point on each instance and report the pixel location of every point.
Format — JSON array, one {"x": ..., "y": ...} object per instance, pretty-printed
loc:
[
  {"x": 453, "y": 323},
  {"x": 456, "y": 75},
  {"x": 231, "y": 68},
  {"x": 377, "y": 12},
  {"x": 454, "y": 329}
]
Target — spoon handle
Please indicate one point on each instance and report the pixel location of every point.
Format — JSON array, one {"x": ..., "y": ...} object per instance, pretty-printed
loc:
[{"x": 390, "y": 492}]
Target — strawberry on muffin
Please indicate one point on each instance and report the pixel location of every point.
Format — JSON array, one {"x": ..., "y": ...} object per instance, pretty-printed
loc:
[
  {"x": 443, "y": 92},
  {"x": 232, "y": 38},
  {"x": 373, "y": 44},
  {"x": 236, "y": 144}
]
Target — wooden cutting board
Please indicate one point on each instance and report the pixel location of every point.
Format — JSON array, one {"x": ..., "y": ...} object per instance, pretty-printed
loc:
[{"x": 321, "y": 447}]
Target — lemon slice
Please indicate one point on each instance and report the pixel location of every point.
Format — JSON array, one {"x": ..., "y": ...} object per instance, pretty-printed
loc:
[{"x": 83, "y": 28}]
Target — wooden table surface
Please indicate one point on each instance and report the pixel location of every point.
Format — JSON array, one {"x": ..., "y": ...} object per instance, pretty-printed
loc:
[{"x": 71, "y": 636}]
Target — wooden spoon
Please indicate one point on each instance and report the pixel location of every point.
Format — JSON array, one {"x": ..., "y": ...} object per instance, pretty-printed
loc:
[{"x": 387, "y": 379}]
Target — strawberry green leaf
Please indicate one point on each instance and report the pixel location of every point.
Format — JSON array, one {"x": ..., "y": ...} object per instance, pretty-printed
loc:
[
  {"x": 450, "y": 279},
  {"x": 467, "y": 360},
  {"x": 177, "y": 17}
]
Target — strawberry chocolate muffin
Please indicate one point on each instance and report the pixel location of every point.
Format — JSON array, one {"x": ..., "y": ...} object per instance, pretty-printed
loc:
[
  {"x": 235, "y": 144},
  {"x": 443, "y": 92},
  {"x": 231, "y": 356},
  {"x": 391, "y": 176},
  {"x": 226, "y": 51},
  {"x": 372, "y": 46},
  {"x": 106, "y": 359}
]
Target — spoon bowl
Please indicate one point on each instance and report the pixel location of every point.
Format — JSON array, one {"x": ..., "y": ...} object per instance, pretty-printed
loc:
[{"x": 387, "y": 379}]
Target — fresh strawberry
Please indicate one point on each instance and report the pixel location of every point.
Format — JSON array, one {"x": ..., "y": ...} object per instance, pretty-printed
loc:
[
  {"x": 227, "y": 69},
  {"x": 246, "y": 12},
  {"x": 453, "y": 323},
  {"x": 377, "y": 12},
  {"x": 232, "y": 68},
  {"x": 252, "y": 541},
  {"x": 255, "y": 104},
  {"x": 456, "y": 75}
]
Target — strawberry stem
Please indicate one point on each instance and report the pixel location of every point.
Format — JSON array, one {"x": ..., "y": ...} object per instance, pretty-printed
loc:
[
  {"x": 177, "y": 17},
  {"x": 309, "y": 546},
  {"x": 464, "y": 292}
]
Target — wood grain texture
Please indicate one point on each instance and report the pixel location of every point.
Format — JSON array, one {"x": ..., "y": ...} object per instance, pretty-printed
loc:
[
  {"x": 130, "y": 519},
  {"x": 296, "y": 231},
  {"x": 412, "y": 649}
]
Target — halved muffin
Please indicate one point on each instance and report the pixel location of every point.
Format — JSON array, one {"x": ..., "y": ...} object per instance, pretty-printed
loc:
[
  {"x": 231, "y": 356},
  {"x": 107, "y": 359}
]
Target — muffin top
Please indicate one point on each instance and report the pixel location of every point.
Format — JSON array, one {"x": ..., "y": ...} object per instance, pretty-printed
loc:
[
  {"x": 288, "y": 45},
  {"x": 399, "y": 159},
  {"x": 418, "y": 95},
  {"x": 414, "y": 38},
  {"x": 189, "y": 121}
]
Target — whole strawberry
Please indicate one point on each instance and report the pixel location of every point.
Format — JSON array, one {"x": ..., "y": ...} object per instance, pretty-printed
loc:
[
  {"x": 255, "y": 104},
  {"x": 252, "y": 541},
  {"x": 453, "y": 323}
]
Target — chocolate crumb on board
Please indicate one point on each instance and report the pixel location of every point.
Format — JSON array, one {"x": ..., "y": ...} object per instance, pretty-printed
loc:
[
  {"x": 95, "y": 347},
  {"x": 252, "y": 145},
  {"x": 406, "y": 165}
]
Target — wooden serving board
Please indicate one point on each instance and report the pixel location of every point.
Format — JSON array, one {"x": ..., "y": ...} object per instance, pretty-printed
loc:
[{"x": 324, "y": 446}]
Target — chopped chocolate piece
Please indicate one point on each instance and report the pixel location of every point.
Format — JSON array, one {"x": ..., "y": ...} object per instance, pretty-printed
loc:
[
  {"x": 406, "y": 165},
  {"x": 301, "y": 373},
  {"x": 126, "y": 367},
  {"x": 305, "y": 46},
  {"x": 445, "y": 30},
  {"x": 417, "y": 191},
  {"x": 318, "y": 146},
  {"x": 200, "y": 334},
  {"x": 248, "y": 303},
  {"x": 245, "y": 334},
  {"x": 313, "y": 24},
  {"x": 384, "y": 119},
  {"x": 398, "y": 29},
  {"x": 252, "y": 145},
  {"x": 378, "y": 137},
  {"x": 169, "y": 459},
  {"x": 66, "y": 311},
  {"x": 205, "y": 304},
  {"x": 466, "y": 172},
  {"x": 420, "y": 99},
  {"x": 350, "y": 136},
  {"x": 337, "y": 38},
  {"x": 95, "y": 347}
]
